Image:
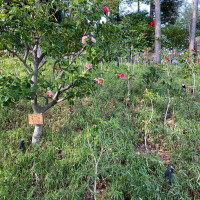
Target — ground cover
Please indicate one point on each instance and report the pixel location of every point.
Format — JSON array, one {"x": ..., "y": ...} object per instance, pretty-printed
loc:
[{"x": 117, "y": 115}]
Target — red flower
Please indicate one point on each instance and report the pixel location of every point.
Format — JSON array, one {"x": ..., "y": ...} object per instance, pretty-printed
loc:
[
  {"x": 1, "y": 52},
  {"x": 167, "y": 59},
  {"x": 153, "y": 23},
  {"x": 198, "y": 60},
  {"x": 170, "y": 76},
  {"x": 3, "y": 39},
  {"x": 192, "y": 49},
  {"x": 122, "y": 76},
  {"x": 106, "y": 10},
  {"x": 198, "y": 148},
  {"x": 94, "y": 126},
  {"x": 60, "y": 71}
]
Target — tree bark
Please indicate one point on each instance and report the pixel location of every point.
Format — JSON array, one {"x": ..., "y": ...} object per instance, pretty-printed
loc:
[
  {"x": 157, "y": 32},
  {"x": 138, "y": 5},
  {"x": 194, "y": 23},
  {"x": 151, "y": 10},
  {"x": 37, "y": 133}
]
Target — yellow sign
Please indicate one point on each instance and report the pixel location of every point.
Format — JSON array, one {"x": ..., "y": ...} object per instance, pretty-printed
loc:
[{"x": 36, "y": 118}]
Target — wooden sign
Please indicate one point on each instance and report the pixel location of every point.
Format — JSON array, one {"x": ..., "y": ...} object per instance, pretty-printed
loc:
[{"x": 36, "y": 118}]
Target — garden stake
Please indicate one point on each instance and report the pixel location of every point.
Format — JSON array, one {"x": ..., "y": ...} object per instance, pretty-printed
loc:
[
  {"x": 183, "y": 86},
  {"x": 169, "y": 172},
  {"x": 22, "y": 146}
]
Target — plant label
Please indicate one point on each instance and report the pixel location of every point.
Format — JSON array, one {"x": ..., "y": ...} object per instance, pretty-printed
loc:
[{"x": 36, "y": 118}]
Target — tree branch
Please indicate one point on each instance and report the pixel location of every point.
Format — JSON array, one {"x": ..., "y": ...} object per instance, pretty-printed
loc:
[
  {"x": 22, "y": 60},
  {"x": 41, "y": 57},
  {"x": 35, "y": 49},
  {"x": 26, "y": 52},
  {"x": 42, "y": 64},
  {"x": 74, "y": 58},
  {"x": 49, "y": 105},
  {"x": 68, "y": 86}
]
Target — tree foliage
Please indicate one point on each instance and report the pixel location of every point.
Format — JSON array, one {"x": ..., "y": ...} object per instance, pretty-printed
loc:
[
  {"x": 169, "y": 9},
  {"x": 137, "y": 30},
  {"x": 175, "y": 37},
  {"x": 28, "y": 27}
]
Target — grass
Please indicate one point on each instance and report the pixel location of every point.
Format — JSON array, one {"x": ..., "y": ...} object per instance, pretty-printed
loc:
[{"x": 61, "y": 165}]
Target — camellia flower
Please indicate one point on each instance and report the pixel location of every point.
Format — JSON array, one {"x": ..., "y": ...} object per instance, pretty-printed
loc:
[
  {"x": 3, "y": 39},
  {"x": 93, "y": 40},
  {"x": 133, "y": 74},
  {"x": 192, "y": 49},
  {"x": 1, "y": 52},
  {"x": 60, "y": 71},
  {"x": 167, "y": 59},
  {"x": 94, "y": 126},
  {"x": 100, "y": 81},
  {"x": 170, "y": 76},
  {"x": 198, "y": 60},
  {"x": 172, "y": 50},
  {"x": 50, "y": 93},
  {"x": 198, "y": 148},
  {"x": 153, "y": 23},
  {"x": 89, "y": 66},
  {"x": 105, "y": 8},
  {"x": 149, "y": 48},
  {"x": 179, "y": 54},
  {"x": 83, "y": 39},
  {"x": 156, "y": 65},
  {"x": 122, "y": 76}
]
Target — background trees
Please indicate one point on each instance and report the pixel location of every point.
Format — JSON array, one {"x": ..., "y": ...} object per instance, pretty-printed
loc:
[
  {"x": 137, "y": 31},
  {"x": 157, "y": 32},
  {"x": 194, "y": 23}
]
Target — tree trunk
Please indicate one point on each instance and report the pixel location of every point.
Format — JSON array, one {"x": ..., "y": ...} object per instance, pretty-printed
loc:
[
  {"x": 138, "y": 5},
  {"x": 37, "y": 133},
  {"x": 131, "y": 54},
  {"x": 194, "y": 23},
  {"x": 157, "y": 32},
  {"x": 118, "y": 16},
  {"x": 151, "y": 10}
]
